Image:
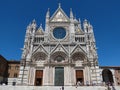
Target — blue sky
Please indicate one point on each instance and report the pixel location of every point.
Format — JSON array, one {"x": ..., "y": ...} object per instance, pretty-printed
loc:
[{"x": 104, "y": 15}]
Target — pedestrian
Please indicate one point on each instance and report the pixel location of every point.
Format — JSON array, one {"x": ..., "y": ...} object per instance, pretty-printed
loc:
[
  {"x": 87, "y": 83},
  {"x": 62, "y": 87}
]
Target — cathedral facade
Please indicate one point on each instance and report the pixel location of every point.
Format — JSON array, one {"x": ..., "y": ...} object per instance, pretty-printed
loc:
[{"x": 62, "y": 54}]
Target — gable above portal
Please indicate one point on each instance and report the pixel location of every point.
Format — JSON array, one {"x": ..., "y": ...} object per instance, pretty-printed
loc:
[
  {"x": 78, "y": 48},
  {"x": 40, "y": 48},
  {"x": 59, "y": 48}
]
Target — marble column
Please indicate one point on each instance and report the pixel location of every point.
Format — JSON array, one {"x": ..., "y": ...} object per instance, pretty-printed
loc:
[
  {"x": 31, "y": 77},
  {"x": 51, "y": 75},
  {"x": 86, "y": 74},
  {"x": 67, "y": 75},
  {"x": 46, "y": 76},
  {"x": 72, "y": 76}
]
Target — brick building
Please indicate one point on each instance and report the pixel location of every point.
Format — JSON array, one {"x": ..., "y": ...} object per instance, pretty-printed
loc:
[
  {"x": 13, "y": 71},
  {"x": 110, "y": 74},
  {"x": 3, "y": 69},
  {"x": 117, "y": 74},
  {"x": 9, "y": 71}
]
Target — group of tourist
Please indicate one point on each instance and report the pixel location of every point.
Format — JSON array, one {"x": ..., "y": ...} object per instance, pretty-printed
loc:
[{"x": 79, "y": 83}]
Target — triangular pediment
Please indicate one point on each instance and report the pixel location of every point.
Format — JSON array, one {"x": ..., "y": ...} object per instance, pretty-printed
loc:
[
  {"x": 39, "y": 31},
  {"x": 59, "y": 16},
  {"x": 78, "y": 48},
  {"x": 40, "y": 48},
  {"x": 59, "y": 48},
  {"x": 79, "y": 31}
]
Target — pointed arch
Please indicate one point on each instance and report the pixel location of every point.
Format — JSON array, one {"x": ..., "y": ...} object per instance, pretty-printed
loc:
[
  {"x": 78, "y": 56},
  {"x": 39, "y": 56},
  {"x": 59, "y": 57}
]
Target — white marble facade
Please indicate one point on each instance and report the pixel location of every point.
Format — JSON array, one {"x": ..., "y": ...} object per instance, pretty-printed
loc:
[{"x": 66, "y": 43}]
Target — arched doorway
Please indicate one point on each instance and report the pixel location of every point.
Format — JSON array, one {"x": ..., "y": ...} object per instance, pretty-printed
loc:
[
  {"x": 59, "y": 76},
  {"x": 79, "y": 76},
  {"x": 107, "y": 76},
  {"x": 78, "y": 58},
  {"x": 39, "y": 57},
  {"x": 38, "y": 77},
  {"x": 58, "y": 59}
]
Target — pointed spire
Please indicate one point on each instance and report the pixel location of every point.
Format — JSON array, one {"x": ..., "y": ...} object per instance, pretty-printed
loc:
[
  {"x": 75, "y": 20},
  {"x": 86, "y": 26},
  {"x": 85, "y": 21},
  {"x": 33, "y": 22},
  {"x": 48, "y": 13},
  {"x": 59, "y": 5},
  {"x": 40, "y": 30},
  {"x": 41, "y": 27},
  {"x": 79, "y": 23},
  {"x": 34, "y": 25},
  {"x": 91, "y": 28},
  {"x": 79, "y": 20},
  {"x": 28, "y": 27},
  {"x": 71, "y": 13}
]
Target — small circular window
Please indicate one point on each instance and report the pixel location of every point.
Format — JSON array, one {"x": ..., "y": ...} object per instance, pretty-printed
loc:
[{"x": 59, "y": 58}]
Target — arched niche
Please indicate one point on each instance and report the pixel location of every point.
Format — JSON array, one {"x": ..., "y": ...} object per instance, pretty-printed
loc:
[
  {"x": 39, "y": 56},
  {"x": 58, "y": 57},
  {"x": 107, "y": 76},
  {"x": 78, "y": 56}
]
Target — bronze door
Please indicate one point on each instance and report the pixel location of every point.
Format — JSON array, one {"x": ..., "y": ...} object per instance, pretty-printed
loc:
[{"x": 59, "y": 76}]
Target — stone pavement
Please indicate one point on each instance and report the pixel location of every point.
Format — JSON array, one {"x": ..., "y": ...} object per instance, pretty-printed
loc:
[{"x": 56, "y": 88}]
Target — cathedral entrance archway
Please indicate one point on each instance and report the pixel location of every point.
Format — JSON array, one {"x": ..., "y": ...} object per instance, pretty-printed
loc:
[
  {"x": 79, "y": 76},
  {"x": 39, "y": 78},
  {"x": 107, "y": 76},
  {"x": 59, "y": 76},
  {"x": 58, "y": 57}
]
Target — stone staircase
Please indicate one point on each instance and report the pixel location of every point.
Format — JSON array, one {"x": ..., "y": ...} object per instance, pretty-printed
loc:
[{"x": 5, "y": 87}]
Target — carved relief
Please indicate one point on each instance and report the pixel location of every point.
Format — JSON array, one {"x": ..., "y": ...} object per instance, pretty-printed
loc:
[
  {"x": 59, "y": 57},
  {"x": 78, "y": 56},
  {"x": 40, "y": 56},
  {"x": 59, "y": 17},
  {"x": 78, "y": 59}
]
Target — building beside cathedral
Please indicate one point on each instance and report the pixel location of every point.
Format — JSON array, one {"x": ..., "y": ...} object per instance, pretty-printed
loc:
[
  {"x": 3, "y": 69},
  {"x": 62, "y": 54}
]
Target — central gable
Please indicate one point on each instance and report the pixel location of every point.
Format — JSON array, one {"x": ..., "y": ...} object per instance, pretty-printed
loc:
[
  {"x": 59, "y": 48},
  {"x": 59, "y": 16}
]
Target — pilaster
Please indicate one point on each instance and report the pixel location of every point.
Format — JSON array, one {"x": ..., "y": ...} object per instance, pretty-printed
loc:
[{"x": 46, "y": 76}]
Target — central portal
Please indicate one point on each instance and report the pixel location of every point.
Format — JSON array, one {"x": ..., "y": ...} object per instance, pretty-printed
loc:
[{"x": 59, "y": 76}]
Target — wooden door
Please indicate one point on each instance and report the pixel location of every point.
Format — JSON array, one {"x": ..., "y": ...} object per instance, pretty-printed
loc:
[
  {"x": 79, "y": 76},
  {"x": 39, "y": 78}
]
